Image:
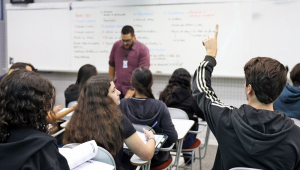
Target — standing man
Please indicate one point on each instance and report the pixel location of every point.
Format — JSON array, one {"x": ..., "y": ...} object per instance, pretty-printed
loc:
[{"x": 126, "y": 55}]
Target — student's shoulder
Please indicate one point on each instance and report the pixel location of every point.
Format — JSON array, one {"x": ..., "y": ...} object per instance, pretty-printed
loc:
[
  {"x": 157, "y": 103},
  {"x": 72, "y": 87}
]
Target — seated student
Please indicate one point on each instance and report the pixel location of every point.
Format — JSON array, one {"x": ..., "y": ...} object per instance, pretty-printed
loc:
[
  {"x": 145, "y": 110},
  {"x": 178, "y": 94},
  {"x": 20, "y": 65},
  {"x": 254, "y": 135},
  {"x": 84, "y": 73},
  {"x": 289, "y": 100},
  {"x": 26, "y": 98},
  {"x": 97, "y": 117}
]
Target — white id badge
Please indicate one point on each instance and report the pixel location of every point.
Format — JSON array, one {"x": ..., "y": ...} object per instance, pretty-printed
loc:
[{"x": 125, "y": 63}]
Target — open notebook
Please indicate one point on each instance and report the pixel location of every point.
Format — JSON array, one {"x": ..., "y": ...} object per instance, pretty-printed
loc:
[
  {"x": 159, "y": 139},
  {"x": 80, "y": 157}
]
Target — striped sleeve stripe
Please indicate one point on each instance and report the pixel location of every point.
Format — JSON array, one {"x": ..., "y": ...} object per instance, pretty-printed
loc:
[{"x": 201, "y": 84}]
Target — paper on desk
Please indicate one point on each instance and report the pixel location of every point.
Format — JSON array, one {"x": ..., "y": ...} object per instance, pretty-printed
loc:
[
  {"x": 80, "y": 153},
  {"x": 158, "y": 138}
]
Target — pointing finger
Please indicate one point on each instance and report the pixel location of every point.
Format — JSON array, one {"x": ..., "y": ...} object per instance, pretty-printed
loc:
[{"x": 217, "y": 30}]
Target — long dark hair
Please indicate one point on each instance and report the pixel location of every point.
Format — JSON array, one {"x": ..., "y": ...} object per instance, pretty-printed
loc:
[
  {"x": 142, "y": 80},
  {"x": 180, "y": 78},
  {"x": 84, "y": 73},
  {"x": 96, "y": 117},
  {"x": 25, "y": 100}
]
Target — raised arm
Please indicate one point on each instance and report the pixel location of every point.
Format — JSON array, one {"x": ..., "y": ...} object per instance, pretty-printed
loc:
[{"x": 206, "y": 98}]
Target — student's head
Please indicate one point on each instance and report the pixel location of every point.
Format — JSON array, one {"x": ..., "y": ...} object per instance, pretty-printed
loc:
[
  {"x": 26, "y": 98},
  {"x": 84, "y": 73},
  {"x": 142, "y": 80},
  {"x": 20, "y": 65},
  {"x": 295, "y": 75},
  {"x": 127, "y": 36},
  {"x": 97, "y": 116},
  {"x": 180, "y": 78},
  {"x": 266, "y": 77}
]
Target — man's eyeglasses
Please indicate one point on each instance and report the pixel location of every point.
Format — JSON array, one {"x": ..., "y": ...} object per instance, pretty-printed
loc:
[{"x": 126, "y": 41}]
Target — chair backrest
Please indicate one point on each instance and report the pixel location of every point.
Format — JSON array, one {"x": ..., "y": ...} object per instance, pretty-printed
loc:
[
  {"x": 139, "y": 127},
  {"x": 177, "y": 113},
  {"x": 71, "y": 104},
  {"x": 296, "y": 121},
  {"x": 102, "y": 156}
]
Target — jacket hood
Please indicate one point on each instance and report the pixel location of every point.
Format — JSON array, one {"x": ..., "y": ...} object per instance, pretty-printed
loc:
[
  {"x": 260, "y": 130},
  {"x": 20, "y": 151},
  {"x": 72, "y": 90},
  {"x": 290, "y": 94},
  {"x": 140, "y": 113},
  {"x": 179, "y": 95}
]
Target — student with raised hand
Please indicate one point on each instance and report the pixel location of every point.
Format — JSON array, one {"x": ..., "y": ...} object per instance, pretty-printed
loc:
[
  {"x": 26, "y": 98},
  {"x": 145, "y": 110},
  {"x": 84, "y": 73},
  {"x": 97, "y": 117},
  {"x": 254, "y": 135},
  {"x": 178, "y": 94},
  {"x": 289, "y": 100}
]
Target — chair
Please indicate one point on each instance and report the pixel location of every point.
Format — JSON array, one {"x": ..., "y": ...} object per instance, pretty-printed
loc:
[
  {"x": 59, "y": 132},
  {"x": 180, "y": 114},
  {"x": 296, "y": 121},
  {"x": 165, "y": 165},
  {"x": 102, "y": 156},
  {"x": 72, "y": 103}
]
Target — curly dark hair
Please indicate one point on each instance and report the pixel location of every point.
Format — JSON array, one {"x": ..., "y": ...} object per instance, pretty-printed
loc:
[
  {"x": 142, "y": 81},
  {"x": 180, "y": 78},
  {"x": 25, "y": 100},
  {"x": 20, "y": 65},
  {"x": 96, "y": 117},
  {"x": 267, "y": 77}
]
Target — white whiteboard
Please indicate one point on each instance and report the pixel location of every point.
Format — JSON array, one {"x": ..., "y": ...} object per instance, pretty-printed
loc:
[
  {"x": 39, "y": 37},
  {"x": 64, "y": 40}
]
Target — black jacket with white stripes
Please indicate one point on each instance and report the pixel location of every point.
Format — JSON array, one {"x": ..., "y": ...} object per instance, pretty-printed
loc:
[{"x": 247, "y": 137}]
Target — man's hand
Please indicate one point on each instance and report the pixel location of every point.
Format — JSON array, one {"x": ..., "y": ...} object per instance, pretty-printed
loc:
[
  {"x": 129, "y": 94},
  {"x": 210, "y": 44}
]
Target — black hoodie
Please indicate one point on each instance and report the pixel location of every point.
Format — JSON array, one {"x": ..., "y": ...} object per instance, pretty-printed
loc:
[
  {"x": 146, "y": 112},
  {"x": 71, "y": 93},
  {"x": 247, "y": 137},
  {"x": 182, "y": 99},
  {"x": 27, "y": 148}
]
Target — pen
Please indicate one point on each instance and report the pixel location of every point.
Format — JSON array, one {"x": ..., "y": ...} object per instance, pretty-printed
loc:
[{"x": 153, "y": 125}]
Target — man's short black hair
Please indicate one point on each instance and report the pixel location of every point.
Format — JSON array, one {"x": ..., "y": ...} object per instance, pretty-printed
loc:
[
  {"x": 267, "y": 77},
  {"x": 127, "y": 29}
]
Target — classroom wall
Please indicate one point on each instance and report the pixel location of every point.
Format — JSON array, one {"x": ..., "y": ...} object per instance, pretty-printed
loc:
[
  {"x": 2, "y": 46},
  {"x": 229, "y": 90}
]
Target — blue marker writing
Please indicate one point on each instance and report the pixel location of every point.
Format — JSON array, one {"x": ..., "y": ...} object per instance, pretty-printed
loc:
[{"x": 153, "y": 125}]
